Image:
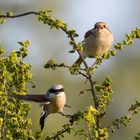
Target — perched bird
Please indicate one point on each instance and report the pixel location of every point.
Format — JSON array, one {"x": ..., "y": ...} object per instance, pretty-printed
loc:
[
  {"x": 97, "y": 41},
  {"x": 53, "y": 101}
]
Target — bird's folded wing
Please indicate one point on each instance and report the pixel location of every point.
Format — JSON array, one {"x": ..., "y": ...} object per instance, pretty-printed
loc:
[
  {"x": 88, "y": 33},
  {"x": 34, "y": 98}
]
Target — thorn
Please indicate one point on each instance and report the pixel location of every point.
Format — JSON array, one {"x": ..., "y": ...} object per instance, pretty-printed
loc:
[{"x": 68, "y": 106}]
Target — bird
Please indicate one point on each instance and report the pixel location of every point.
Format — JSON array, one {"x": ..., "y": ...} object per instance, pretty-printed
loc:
[
  {"x": 53, "y": 101},
  {"x": 97, "y": 41}
]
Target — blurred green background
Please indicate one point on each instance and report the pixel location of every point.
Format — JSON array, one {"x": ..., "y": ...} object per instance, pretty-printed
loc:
[{"x": 124, "y": 68}]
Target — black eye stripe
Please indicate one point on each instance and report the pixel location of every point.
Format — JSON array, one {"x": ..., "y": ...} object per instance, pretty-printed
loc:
[
  {"x": 56, "y": 90},
  {"x": 62, "y": 89}
]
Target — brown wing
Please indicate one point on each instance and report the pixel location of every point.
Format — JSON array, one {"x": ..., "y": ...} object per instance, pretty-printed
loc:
[
  {"x": 34, "y": 98},
  {"x": 88, "y": 33}
]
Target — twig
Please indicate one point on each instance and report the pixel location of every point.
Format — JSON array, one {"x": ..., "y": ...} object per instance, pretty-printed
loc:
[
  {"x": 66, "y": 66},
  {"x": 89, "y": 74},
  {"x": 68, "y": 127},
  {"x": 94, "y": 63},
  {"x": 68, "y": 106},
  {"x": 20, "y": 15},
  {"x": 83, "y": 74},
  {"x": 58, "y": 134},
  {"x": 119, "y": 121}
]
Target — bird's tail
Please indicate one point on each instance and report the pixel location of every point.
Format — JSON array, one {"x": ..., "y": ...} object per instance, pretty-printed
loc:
[
  {"x": 34, "y": 98},
  {"x": 44, "y": 115}
]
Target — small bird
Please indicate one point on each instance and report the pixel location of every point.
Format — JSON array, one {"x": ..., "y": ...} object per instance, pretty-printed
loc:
[
  {"x": 53, "y": 101},
  {"x": 97, "y": 41}
]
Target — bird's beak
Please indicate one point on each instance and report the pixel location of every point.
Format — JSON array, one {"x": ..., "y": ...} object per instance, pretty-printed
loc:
[{"x": 100, "y": 27}]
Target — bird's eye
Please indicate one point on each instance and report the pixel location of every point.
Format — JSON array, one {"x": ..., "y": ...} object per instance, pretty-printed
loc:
[
  {"x": 62, "y": 90},
  {"x": 104, "y": 26},
  {"x": 56, "y": 90}
]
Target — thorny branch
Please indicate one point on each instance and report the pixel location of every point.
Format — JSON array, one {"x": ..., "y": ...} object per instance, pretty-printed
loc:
[
  {"x": 88, "y": 76},
  {"x": 75, "y": 46},
  {"x": 20, "y": 15},
  {"x": 135, "y": 34},
  {"x": 133, "y": 110}
]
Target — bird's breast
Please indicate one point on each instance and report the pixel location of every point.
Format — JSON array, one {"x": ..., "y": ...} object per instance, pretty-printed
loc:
[
  {"x": 57, "y": 104},
  {"x": 97, "y": 44}
]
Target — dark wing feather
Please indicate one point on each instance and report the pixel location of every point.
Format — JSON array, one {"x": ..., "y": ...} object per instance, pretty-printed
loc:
[
  {"x": 42, "y": 120},
  {"x": 34, "y": 98},
  {"x": 88, "y": 33}
]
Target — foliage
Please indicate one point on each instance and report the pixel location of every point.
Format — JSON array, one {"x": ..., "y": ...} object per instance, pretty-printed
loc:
[
  {"x": 124, "y": 120},
  {"x": 137, "y": 137},
  {"x": 15, "y": 74}
]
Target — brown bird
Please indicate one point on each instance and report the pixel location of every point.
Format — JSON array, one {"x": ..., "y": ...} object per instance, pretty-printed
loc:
[
  {"x": 53, "y": 101},
  {"x": 97, "y": 41}
]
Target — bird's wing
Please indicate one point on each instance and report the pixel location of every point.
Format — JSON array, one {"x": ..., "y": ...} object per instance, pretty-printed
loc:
[
  {"x": 88, "y": 33},
  {"x": 34, "y": 98},
  {"x": 50, "y": 95}
]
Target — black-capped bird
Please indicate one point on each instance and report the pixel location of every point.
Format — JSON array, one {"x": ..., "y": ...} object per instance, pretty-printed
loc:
[{"x": 53, "y": 101}]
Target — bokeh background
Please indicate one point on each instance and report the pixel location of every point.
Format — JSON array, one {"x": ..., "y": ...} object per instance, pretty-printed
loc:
[{"x": 124, "y": 68}]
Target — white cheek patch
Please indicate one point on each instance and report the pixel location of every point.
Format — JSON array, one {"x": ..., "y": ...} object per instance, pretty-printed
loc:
[
  {"x": 62, "y": 97},
  {"x": 62, "y": 94}
]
